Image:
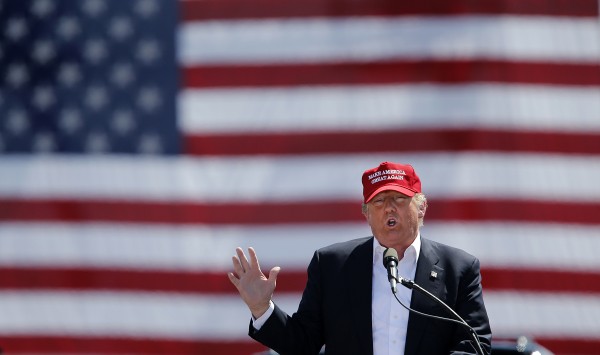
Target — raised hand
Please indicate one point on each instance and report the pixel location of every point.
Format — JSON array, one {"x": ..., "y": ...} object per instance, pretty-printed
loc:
[{"x": 254, "y": 288}]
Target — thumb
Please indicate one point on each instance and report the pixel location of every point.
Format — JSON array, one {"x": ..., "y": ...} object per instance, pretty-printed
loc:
[{"x": 273, "y": 274}]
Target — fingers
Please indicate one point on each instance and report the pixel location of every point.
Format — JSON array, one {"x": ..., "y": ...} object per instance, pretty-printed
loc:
[
  {"x": 241, "y": 266},
  {"x": 242, "y": 263},
  {"x": 253, "y": 259},
  {"x": 234, "y": 280},
  {"x": 242, "y": 259},
  {"x": 237, "y": 267},
  {"x": 273, "y": 275}
]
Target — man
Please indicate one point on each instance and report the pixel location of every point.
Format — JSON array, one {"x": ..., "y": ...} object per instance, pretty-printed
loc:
[{"x": 347, "y": 304}]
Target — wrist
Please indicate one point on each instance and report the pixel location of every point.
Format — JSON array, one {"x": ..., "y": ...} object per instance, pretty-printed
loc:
[{"x": 259, "y": 310}]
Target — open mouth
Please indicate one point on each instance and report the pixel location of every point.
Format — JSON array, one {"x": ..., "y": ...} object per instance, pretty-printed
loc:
[{"x": 391, "y": 222}]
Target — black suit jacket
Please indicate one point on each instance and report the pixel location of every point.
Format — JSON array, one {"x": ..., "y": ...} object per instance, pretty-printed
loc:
[{"x": 335, "y": 309}]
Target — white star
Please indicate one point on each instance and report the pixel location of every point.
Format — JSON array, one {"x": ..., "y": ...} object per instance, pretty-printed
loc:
[
  {"x": 120, "y": 28},
  {"x": 16, "y": 28},
  {"x": 68, "y": 28},
  {"x": 95, "y": 50},
  {"x": 93, "y": 8},
  {"x": 70, "y": 120},
  {"x": 148, "y": 51},
  {"x": 17, "y": 75},
  {"x": 17, "y": 122},
  {"x": 146, "y": 8},
  {"x": 97, "y": 142},
  {"x": 122, "y": 74},
  {"x": 44, "y": 142},
  {"x": 96, "y": 97},
  {"x": 150, "y": 144},
  {"x": 122, "y": 122},
  {"x": 149, "y": 99},
  {"x": 42, "y": 8},
  {"x": 43, "y": 97},
  {"x": 43, "y": 51},
  {"x": 69, "y": 74}
]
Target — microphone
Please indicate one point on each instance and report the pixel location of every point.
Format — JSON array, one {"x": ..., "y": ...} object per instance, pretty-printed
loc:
[{"x": 390, "y": 261}]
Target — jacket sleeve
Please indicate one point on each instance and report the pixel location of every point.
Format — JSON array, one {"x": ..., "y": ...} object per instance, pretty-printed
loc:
[
  {"x": 470, "y": 306},
  {"x": 301, "y": 333}
]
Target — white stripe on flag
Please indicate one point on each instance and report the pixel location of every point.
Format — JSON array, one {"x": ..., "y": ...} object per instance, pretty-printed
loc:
[
  {"x": 297, "y": 178},
  {"x": 539, "y": 314},
  {"x": 380, "y": 107},
  {"x": 124, "y": 315},
  {"x": 226, "y": 317},
  {"x": 310, "y": 40},
  {"x": 193, "y": 248}
]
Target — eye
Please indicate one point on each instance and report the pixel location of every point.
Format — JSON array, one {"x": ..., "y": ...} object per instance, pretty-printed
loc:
[{"x": 378, "y": 201}]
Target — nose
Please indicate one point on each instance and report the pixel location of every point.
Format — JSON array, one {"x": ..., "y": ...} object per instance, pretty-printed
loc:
[{"x": 389, "y": 205}]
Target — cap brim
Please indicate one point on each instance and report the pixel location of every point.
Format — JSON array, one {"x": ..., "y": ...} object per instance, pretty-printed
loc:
[{"x": 401, "y": 189}]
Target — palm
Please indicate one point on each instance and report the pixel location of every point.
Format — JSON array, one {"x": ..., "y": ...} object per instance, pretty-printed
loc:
[{"x": 254, "y": 287}]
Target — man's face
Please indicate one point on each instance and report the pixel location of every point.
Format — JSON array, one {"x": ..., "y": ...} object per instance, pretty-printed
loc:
[{"x": 394, "y": 219}]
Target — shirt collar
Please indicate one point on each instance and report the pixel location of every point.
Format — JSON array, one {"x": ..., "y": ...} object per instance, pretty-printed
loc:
[{"x": 378, "y": 249}]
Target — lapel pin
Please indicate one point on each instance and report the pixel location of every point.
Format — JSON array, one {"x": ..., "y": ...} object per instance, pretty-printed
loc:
[{"x": 433, "y": 274}]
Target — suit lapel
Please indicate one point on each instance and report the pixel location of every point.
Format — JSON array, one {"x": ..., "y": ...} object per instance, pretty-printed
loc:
[
  {"x": 360, "y": 268},
  {"x": 429, "y": 276}
]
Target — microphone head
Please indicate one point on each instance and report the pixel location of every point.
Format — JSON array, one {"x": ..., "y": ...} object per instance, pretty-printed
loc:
[{"x": 390, "y": 254}]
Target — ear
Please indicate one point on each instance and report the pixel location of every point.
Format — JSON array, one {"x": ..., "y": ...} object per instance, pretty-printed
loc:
[
  {"x": 422, "y": 209},
  {"x": 365, "y": 211}
]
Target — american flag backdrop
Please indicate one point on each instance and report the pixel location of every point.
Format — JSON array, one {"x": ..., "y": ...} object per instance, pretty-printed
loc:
[{"x": 143, "y": 140}]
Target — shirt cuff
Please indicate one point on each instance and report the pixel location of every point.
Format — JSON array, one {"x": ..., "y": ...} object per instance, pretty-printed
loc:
[{"x": 260, "y": 321}]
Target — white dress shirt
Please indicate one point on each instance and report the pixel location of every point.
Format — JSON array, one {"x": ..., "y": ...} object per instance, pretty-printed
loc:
[
  {"x": 390, "y": 319},
  {"x": 260, "y": 321}
]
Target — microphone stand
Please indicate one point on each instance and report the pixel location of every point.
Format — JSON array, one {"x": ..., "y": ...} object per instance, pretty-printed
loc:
[{"x": 412, "y": 285}]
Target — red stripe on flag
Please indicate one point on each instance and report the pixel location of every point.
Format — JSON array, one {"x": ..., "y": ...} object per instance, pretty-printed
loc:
[
  {"x": 99, "y": 279},
  {"x": 38, "y": 344},
  {"x": 242, "y": 9},
  {"x": 85, "y": 345},
  {"x": 289, "y": 280},
  {"x": 429, "y": 140},
  {"x": 387, "y": 72},
  {"x": 514, "y": 210},
  {"x": 105, "y": 345},
  {"x": 292, "y": 212},
  {"x": 570, "y": 346},
  {"x": 538, "y": 280},
  {"x": 177, "y": 212}
]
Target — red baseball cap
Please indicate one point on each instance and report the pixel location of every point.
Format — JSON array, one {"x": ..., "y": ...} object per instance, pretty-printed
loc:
[{"x": 390, "y": 176}]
